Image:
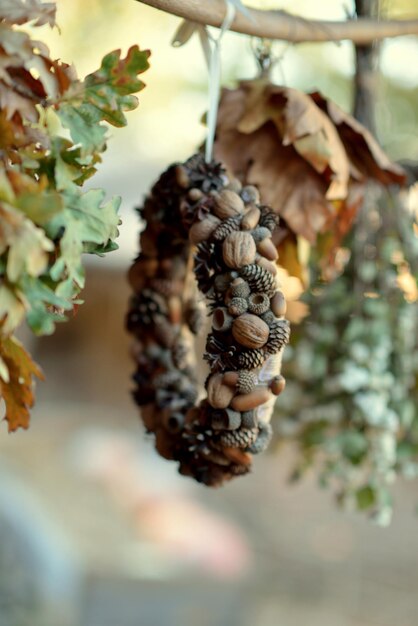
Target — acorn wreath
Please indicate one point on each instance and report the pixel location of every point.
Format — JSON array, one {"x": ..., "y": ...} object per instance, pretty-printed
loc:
[{"x": 196, "y": 210}]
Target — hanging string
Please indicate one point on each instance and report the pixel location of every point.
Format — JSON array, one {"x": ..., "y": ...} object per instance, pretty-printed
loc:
[{"x": 212, "y": 50}]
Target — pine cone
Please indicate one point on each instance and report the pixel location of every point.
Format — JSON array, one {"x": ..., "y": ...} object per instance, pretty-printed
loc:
[
  {"x": 247, "y": 380},
  {"x": 268, "y": 218},
  {"x": 250, "y": 359},
  {"x": 237, "y": 306},
  {"x": 278, "y": 337},
  {"x": 259, "y": 279},
  {"x": 164, "y": 332},
  {"x": 144, "y": 308},
  {"x": 264, "y": 437},
  {"x": 240, "y": 438},
  {"x": 226, "y": 227}
]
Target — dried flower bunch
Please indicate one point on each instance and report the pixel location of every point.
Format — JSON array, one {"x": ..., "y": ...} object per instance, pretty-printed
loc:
[{"x": 195, "y": 209}]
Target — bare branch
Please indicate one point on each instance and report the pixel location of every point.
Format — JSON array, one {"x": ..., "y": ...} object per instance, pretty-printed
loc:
[{"x": 282, "y": 25}]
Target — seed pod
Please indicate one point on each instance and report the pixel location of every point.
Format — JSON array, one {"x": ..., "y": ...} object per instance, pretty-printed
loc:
[
  {"x": 228, "y": 203},
  {"x": 249, "y": 193},
  {"x": 201, "y": 231},
  {"x": 219, "y": 395},
  {"x": 239, "y": 288},
  {"x": 277, "y": 385},
  {"x": 251, "y": 218},
  {"x": 246, "y": 382},
  {"x": 252, "y": 400},
  {"x": 239, "y": 250},
  {"x": 278, "y": 304},
  {"x": 250, "y": 331},
  {"x": 237, "y": 306},
  {"x": 225, "y": 419},
  {"x": 221, "y": 320},
  {"x": 261, "y": 233},
  {"x": 258, "y": 303}
]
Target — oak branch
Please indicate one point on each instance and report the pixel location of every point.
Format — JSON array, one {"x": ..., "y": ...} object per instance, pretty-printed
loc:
[{"x": 282, "y": 25}]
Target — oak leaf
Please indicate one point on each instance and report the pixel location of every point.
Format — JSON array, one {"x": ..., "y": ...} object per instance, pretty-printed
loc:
[{"x": 16, "y": 382}]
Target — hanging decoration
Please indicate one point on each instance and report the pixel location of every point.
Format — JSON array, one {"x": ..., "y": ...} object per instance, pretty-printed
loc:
[
  {"x": 351, "y": 403},
  {"x": 196, "y": 206}
]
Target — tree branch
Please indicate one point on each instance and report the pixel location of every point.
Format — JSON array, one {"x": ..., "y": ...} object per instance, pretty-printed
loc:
[{"x": 282, "y": 25}]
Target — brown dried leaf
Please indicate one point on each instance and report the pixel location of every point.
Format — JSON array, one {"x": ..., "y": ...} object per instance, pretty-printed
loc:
[
  {"x": 16, "y": 382},
  {"x": 367, "y": 158}
]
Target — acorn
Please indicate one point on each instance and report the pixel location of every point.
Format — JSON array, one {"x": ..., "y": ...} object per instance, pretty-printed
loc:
[
  {"x": 227, "y": 204},
  {"x": 194, "y": 194},
  {"x": 251, "y": 219},
  {"x": 201, "y": 231},
  {"x": 219, "y": 395},
  {"x": 238, "y": 250},
  {"x": 246, "y": 382},
  {"x": 230, "y": 379},
  {"x": 258, "y": 303},
  {"x": 267, "y": 249},
  {"x": 260, "y": 234},
  {"x": 249, "y": 193},
  {"x": 250, "y": 331},
  {"x": 225, "y": 419},
  {"x": 277, "y": 385},
  {"x": 237, "y": 306},
  {"x": 278, "y": 304},
  {"x": 239, "y": 288},
  {"x": 182, "y": 177},
  {"x": 266, "y": 264},
  {"x": 248, "y": 401}
]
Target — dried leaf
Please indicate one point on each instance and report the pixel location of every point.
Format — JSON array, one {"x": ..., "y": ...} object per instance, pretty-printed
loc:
[
  {"x": 22, "y": 11},
  {"x": 17, "y": 386}
]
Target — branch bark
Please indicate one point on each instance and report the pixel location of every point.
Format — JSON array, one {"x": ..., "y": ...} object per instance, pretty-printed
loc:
[{"x": 282, "y": 25}]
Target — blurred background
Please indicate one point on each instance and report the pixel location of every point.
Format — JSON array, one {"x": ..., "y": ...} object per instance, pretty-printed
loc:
[{"x": 96, "y": 529}]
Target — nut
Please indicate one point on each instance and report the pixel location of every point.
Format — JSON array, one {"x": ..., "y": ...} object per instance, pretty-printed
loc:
[
  {"x": 250, "y": 331},
  {"x": 251, "y": 218},
  {"x": 239, "y": 249},
  {"x": 249, "y": 401},
  {"x": 278, "y": 304},
  {"x": 219, "y": 395},
  {"x": 277, "y": 384},
  {"x": 200, "y": 231},
  {"x": 267, "y": 249},
  {"x": 228, "y": 203}
]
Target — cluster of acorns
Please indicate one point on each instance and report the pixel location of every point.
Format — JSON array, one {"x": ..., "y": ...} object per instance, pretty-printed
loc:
[{"x": 195, "y": 210}]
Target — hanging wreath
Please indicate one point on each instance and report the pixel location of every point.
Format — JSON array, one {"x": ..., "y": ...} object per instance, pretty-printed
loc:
[{"x": 195, "y": 205}]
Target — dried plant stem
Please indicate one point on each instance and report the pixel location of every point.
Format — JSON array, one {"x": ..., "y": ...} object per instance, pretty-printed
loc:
[{"x": 282, "y": 25}]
